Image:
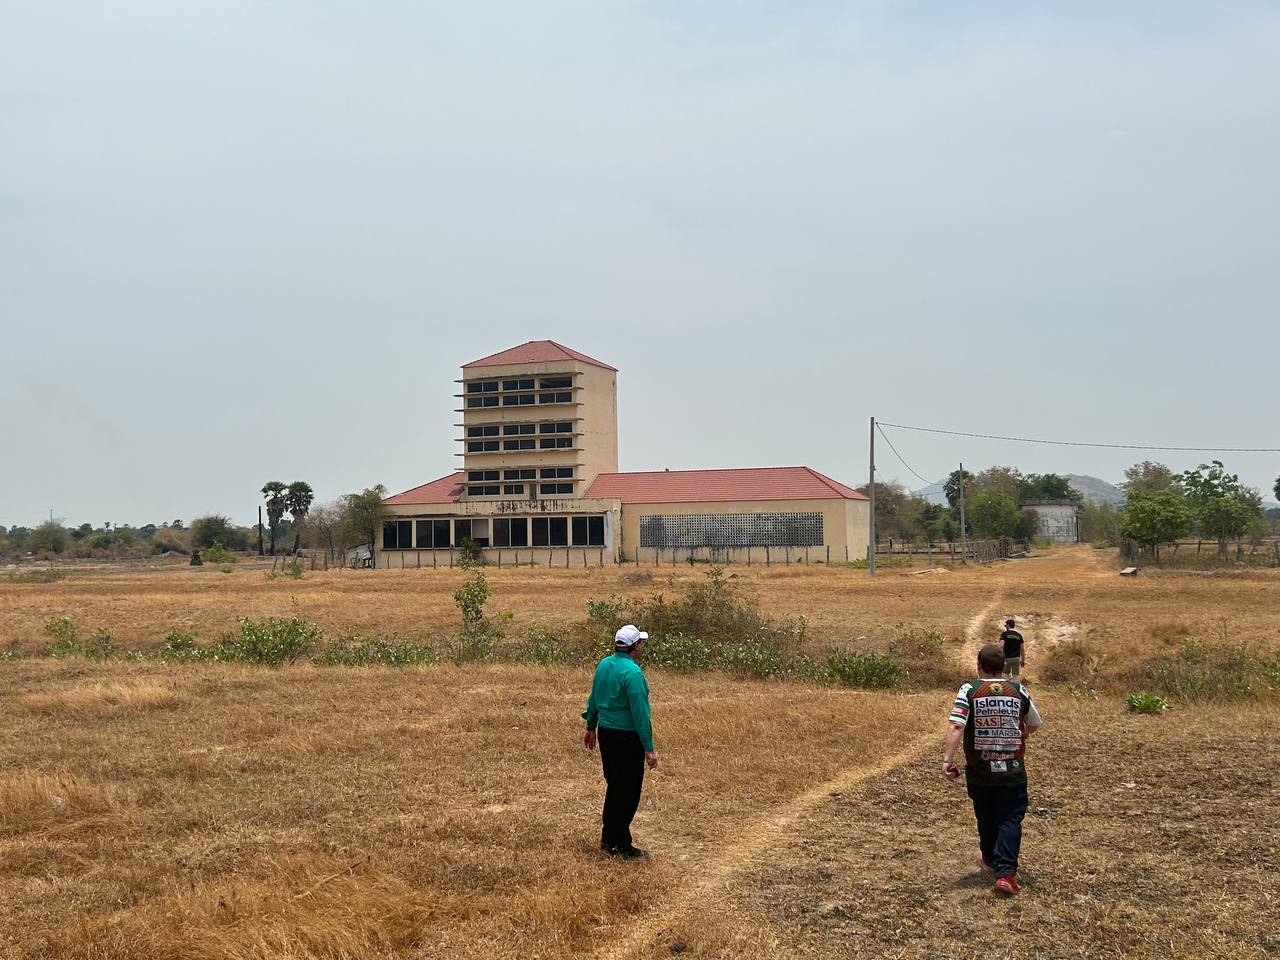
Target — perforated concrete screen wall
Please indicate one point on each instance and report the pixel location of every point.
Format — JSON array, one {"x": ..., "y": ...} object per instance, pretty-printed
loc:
[{"x": 732, "y": 530}]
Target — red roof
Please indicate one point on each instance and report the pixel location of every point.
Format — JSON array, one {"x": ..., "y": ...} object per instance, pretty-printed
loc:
[
  {"x": 536, "y": 351},
  {"x": 445, "y": 490},
  {"x": 747, "y": 483}
]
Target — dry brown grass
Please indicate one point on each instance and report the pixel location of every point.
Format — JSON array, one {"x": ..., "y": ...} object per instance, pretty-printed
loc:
[{"x": 214, "y": 810}]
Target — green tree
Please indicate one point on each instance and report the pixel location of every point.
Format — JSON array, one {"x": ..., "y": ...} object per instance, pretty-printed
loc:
[
  {"x": 362, "y": 515},
  {"x": 993, "y": 514},
  {"x": 1149, "y": 477},
  {"x": 1047, "y": 486},
  {"x": 1220, "y": 507},
  {"x": 889, "y": 500},
  {"x": 951, "y": 487},
  {"x": 1276, "y": 488},
  {"x": 1006, "y": 480},
  {"x": 206, "y": 531},
  {"x": 51, "y": 536},
  {"x": 1154, "y": 518},
  {"x": 1099, "y": 523},
  {"x": 298, "y": 498},
  {"x": 274, "y": 491}
]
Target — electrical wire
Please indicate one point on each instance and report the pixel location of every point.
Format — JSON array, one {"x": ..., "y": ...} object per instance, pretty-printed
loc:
[
  {"x": 1074, "y": 443},
  {"x": 899, "y": 456}
]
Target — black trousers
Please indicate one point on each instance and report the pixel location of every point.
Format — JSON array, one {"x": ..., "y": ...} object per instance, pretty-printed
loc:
[
  {"x": 622, "y": 755},
  {"x": 999, "y": 811}
]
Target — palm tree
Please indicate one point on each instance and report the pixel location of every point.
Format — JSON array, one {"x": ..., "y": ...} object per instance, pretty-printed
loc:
[
  {"x": 275, "y": 494},
  {"x": 298, "y": 498}
]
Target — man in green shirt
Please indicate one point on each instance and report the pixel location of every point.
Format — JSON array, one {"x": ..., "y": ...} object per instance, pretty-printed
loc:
[{"x": 617, "y": 718}]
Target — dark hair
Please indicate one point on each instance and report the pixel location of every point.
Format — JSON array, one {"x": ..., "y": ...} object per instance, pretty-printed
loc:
[
  {"x": 991, "y": 659},
  {"x": 1009, "y": 623}
]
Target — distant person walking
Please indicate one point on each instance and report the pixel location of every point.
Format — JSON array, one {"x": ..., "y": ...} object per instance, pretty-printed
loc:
[
  {"x": 618, "y": 719},
  {"x": 993, "y": 716},
  {"x": 1014, "y": 656}
]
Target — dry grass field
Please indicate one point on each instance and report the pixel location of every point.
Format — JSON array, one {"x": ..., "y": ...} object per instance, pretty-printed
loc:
[{"x": 152, "y": 810}]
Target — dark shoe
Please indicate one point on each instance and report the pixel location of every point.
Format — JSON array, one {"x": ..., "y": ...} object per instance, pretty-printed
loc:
[
  {"x": 633, "y": 853},
  {"x": 609, "y": 851}
]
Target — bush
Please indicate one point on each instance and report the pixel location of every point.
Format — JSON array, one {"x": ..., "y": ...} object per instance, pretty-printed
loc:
[
  {"x": 1146, "y": 703},
  {"x": 869, "y": 671},
  {"x": 544, "y": 647},
  {"x": 678, "y": 651},
  {"x": 64, "y": 641},
  {"x": 272, "y": 642},
  {"x": 217, "y": 553},
  {"x": 293, "y": 571},
  {"x": 352, "y": 650},
  {"x": 206, "y": 531},
  {"x": 37, "y": 576},
  {"x": 760, "y": 659}
]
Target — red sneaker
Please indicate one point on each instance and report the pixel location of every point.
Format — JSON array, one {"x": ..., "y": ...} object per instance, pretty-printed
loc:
[
  {"x": 1008, "y": 886},
  {"x": 986, "y": 868}
]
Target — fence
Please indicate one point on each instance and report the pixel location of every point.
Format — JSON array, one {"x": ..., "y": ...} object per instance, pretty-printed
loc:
[{"x": 1193, "y": 554}]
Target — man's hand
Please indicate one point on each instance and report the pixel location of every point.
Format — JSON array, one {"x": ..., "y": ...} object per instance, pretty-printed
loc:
[
  {"x": 950, "y": 771},
  {"x": 589, "y": 739},
  {"x": 651, "y": 759}
]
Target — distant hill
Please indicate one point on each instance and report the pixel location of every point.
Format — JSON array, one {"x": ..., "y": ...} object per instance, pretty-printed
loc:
[
  {"x": 1092, "y": 489},
  {"x": 1095, "y": 490}
]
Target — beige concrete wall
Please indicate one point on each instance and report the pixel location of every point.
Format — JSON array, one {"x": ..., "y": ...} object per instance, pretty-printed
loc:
[{"x": 844, "y": 522}]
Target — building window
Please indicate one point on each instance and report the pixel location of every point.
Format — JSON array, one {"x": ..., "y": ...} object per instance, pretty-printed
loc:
[
  {"x": 550, "y": 531},
  {"x": 515, "y": 429},
  {"x": 526, "y": 473},
  {"x": 513, "y": 489},
  {"x": 555, "y": 397},
  {"x": 440, "y": 534},
  {"x": 517, "y": 399},
  {"x": 489, "y": 431},
  {"x": 519, "y": 444},
  {"x": 483, "y": 386},
  {"x": 482, "y": 401},
  {"x": 555, "y": 488},
  {"x": 553, "y": 473},
  {"x": 397, "y": 535},
  {"x": 482, "y": 446},
  {"x": 556, "y": 443},
  {"x": 424, "y": 534},
  {"x": 552, "y": 383},
  {"x": 588, "y": 531},
  {"x": 517, "y": 384},
  {"x": 732, "y": 530},
  {"x": 511, "y": 532},
  {"x": 483, "y": 491},
  {"x": 480, "y": 476},
  {"x": 555, "y": 428}
]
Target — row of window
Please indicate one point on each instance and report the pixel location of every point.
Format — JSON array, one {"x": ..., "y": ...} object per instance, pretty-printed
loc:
[
  {"x": 518, "y": 429},
  {"x": 526, "y": 383},
  {"x": 517, "y": 489},
  {"x": 436, "y": 534},
  {"x": 531, "y": 443},
  {"x": 519, "y": 399},
  {"x": 525, "y": 473}
]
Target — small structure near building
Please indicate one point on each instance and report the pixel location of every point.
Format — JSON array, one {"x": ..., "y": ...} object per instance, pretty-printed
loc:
[{"x": 1058, "y": 520}]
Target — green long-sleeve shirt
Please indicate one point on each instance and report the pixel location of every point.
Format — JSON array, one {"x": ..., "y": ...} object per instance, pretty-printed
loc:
[{"x": 620, "y": 698}]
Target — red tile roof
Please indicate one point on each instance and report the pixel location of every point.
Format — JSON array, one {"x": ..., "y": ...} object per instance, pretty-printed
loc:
[
  {"x": 445, "y": 490},
  {"x": 535, "y": 351},
  {"x": 748, "y": 483}
]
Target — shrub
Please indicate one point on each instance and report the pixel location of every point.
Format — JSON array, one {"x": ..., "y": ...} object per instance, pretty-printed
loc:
[
  {"x": 352, "y": 650},
  {"x": 217, "y": 553},
  {"x": 181, "y": 647},
  {"x": 870, "y": 671},
  {"x": 1146, "y": 703},
  {"x": 470, "y": 554},
  {"x": 752, "y": 658},
  {"x": 544, "y": 647},
  {"x": 678, "y": 651},
  {"x": 293, "y": 571},
  {"x": 272, "y": 642},
  {"x": 101, "y": 646},
  {"x": 206, "y": 531}
]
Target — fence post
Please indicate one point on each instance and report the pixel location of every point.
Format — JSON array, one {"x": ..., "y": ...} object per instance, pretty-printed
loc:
[
  {"x": 828, "y": 554},
  {"x": 767, "y": 558}
]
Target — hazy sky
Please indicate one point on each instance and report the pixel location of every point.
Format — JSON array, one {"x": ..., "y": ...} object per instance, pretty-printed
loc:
[{"x": 250, "y": 241}]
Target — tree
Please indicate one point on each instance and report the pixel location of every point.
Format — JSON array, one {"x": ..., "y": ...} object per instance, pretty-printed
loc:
[
  {"x": 51, "y": 536},
  {"x": 1220, "y": 507},
  {"x": 362, "y": 515},
  {"x": 1155, "y": 518},
  {"x": 1099, "y": 523},
  {"x": 1006, "y": 480},
  {"x": 1276, "y": 488},
  {"x": 1047, "y": 486},
  {"x": 922, "y": 520},
  {"x": 274, "y": 491},
  {"x": 993, "y": 514},
  {"x": 1149, "y": 477},
  {"x": 324, "y": 529},
  {"x": 298, "y": 498},
  {"x": 889, "y": 500},
  {"x": 952, "y": 486},
  {"x": 206, "y": 531}
]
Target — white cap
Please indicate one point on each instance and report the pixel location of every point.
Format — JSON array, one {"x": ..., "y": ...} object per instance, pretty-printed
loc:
[{"x": 628, "y": 637}]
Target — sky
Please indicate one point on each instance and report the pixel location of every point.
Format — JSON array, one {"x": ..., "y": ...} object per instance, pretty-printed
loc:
[{"x": 243, "y": 242}]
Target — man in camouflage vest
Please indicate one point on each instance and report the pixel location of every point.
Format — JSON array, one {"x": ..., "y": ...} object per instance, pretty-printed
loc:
[{"x": 993, "y": 716}]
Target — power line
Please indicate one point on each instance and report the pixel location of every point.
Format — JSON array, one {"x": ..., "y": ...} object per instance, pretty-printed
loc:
[
  {"x": 899, "y": 456},
  {"x": 1074, "y": 443}
]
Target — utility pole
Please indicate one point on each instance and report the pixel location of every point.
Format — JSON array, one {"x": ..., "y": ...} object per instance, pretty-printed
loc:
[
  {"x": 964, "y": 536},
  {"x": 260, "y": 530},
  {"x": 51, "y": 539},
  {"x": 871, "y": 513}
]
